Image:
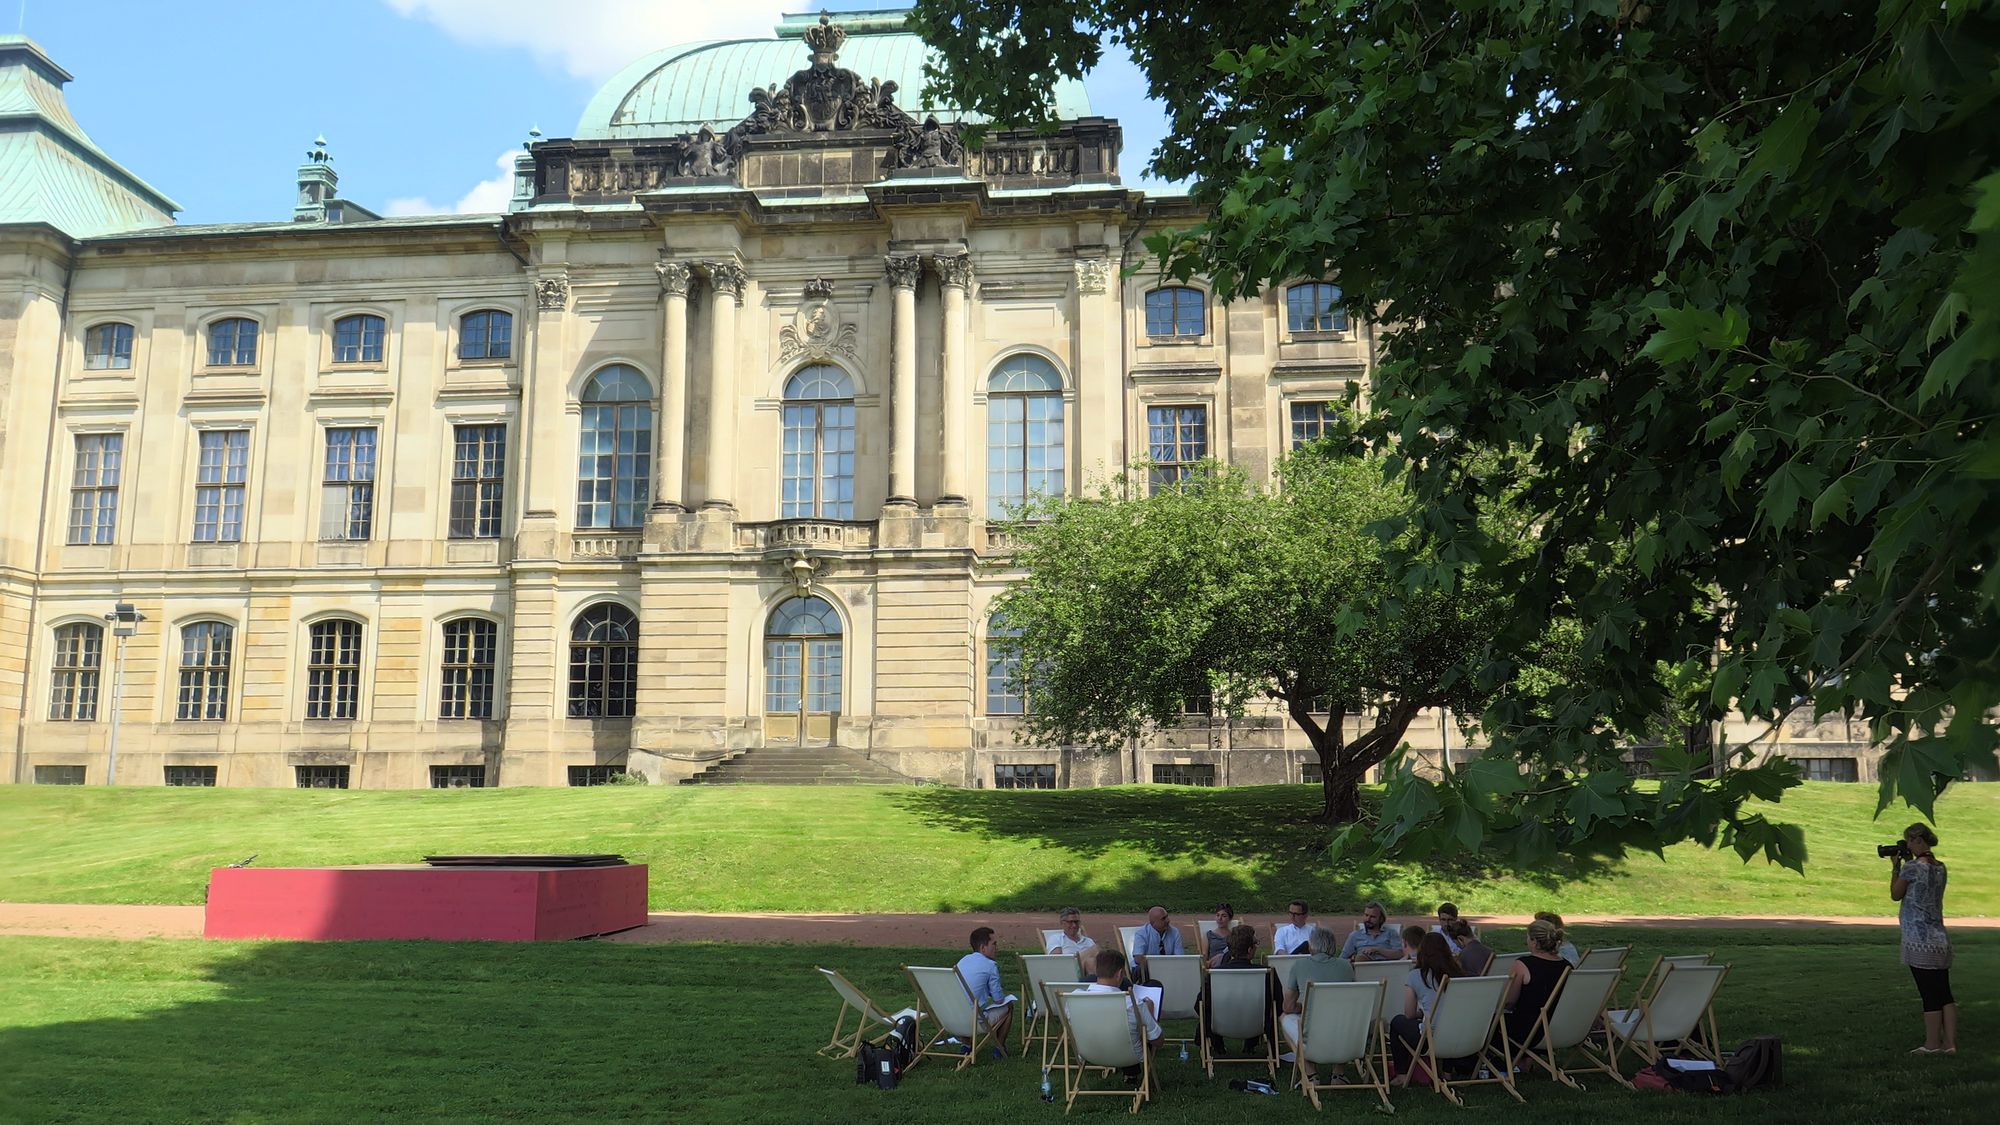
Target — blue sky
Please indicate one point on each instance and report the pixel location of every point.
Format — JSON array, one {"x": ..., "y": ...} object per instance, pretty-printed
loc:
[{"x": 214, "y": 102}]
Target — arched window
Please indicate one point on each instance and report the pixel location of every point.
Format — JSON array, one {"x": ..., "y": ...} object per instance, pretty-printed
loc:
[
  {"x": 204, "y": 678},
  {"x": 819, "y": 445},
  {"x": 615, "y": 454},
  {"x": 333, "y": 670},
  {"x": 1175, "y": 311},
  {"x": 1024, "y": 434},
  {"x": 803, "y": 663},
  {"x": 486, "y": 334},
  {"x": 358, "y": 338},
  {"x": 603, "y": 662},
  {"x": 232, "y": 342},
  {"x": 107, "y": 346},
  {"x": 1004, "y": 691},
  {"x": 470, "y": 645},
  {"x": 74, "y": 679},
  {"x": 1315, "y": 307}
]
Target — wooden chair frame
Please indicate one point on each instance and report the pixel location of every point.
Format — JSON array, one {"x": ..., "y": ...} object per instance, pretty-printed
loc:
[
  {"x": 1373, "y": 1065},
  {"x": 1074, "y": 1072},
  {"x": 1209, "y": 1059},
  {"x": 1692, "y": 1043},
  {"x": 1051, "y": 1048},
  {"x": 1538, "y": 1049},
  {"x": 1501, "y": 1067},
  {"x": 844, "y": 1043},
  {"x": 982, "y": 1035},
  {"x": 1037, "y": 1022}
]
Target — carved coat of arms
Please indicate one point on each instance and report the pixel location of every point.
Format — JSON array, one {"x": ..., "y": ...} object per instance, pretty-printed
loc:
[{"x": 816, "y": 329}]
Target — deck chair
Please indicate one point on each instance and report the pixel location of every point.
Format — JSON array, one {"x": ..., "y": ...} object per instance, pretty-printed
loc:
[
  {"x": 1393, "y": 975},
  {"x": 1202, "y": 929},
  {"x": 1049, "y": 938},
  {"x": 1281, "y": 964},
  {"x": 1502, "y": 964},
  {"x": 1037, "y": 1021},
  {"x": 1052, "y": 1048},
  {"x": 1238, "y": 1007},
  {"x": 1179, "y": 979},
  {"x": 1336, "y": 1026},
  {"x": 1098, "y": 1033},
  {"x": 1565, "y": 1025},
  {"x": 1652, "y": 978},
  {"x": 1126, "y": 936},
  {"x": 946, "y": 996},
  {"x": 1461, "y": 1025},
  {"x": 1678, "y": 1012},
  {"x": 868, "y": 1018},
  {"x": 1608, "y": 957}
]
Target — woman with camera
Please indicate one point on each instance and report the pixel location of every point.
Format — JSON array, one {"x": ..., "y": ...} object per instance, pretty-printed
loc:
[{"x": 1916, "y": 879}]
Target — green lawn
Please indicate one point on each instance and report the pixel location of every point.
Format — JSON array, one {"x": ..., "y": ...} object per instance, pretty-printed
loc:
[
  {"x": 940, "y": 849},
  {"x": 95, "y": 1031}
]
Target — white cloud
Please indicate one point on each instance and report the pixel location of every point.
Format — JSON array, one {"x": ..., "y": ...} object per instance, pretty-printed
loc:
[
  {"x": 485, "y": 198},
  {"x": 593, "y": 38}
]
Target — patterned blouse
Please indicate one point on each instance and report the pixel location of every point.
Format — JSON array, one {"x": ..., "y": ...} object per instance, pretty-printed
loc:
[{"x": 1925, "y": 944}]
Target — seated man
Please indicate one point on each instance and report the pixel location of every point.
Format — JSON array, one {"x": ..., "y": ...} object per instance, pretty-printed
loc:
[
  {"x": 1072, "y": 940},
  {"x": 981, "y": 971},
  {"x": 1447, "y": 914},
  {"x": 1323, "y": 963},
  {"x": 1292, "y": 936},
  {"x": 1159, "y": 937},
  {"x": 1110, "y": 970},
  {"x": 1373, "y": 939},
  {"x": 1413, "y": 936},
  {"x": 1472, "y": 953}
]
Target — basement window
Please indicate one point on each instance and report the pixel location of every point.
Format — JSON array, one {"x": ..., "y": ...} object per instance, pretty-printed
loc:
[
  {"x": 202, "y": 777},
  {"x": 1184, "y": 775},
  {"x": 594, "y": 775},
  {"x": 322, "y": 777},
  {"x": 458, "y": 777},
  {"x": 58, "y": 775}
]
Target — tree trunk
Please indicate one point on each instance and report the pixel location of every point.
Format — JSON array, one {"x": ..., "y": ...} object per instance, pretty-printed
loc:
[{"x": 1342, "y": 793}]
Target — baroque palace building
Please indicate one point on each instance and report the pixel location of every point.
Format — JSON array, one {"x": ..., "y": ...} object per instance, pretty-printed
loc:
[{"x": 704, "y": 447}]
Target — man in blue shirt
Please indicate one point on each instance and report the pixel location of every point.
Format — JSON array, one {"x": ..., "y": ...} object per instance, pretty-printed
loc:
[
  {"x": 1375, "y": 940},
  {"x": 1158, "y": 937},
  {"x": 982, "y": 975}
]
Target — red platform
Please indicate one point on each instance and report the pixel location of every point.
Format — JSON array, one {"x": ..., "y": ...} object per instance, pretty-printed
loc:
[{"x": 414, "y": 901}]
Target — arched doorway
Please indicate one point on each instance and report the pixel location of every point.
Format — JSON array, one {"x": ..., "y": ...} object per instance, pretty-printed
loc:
[{"x": 803, "y": 665}]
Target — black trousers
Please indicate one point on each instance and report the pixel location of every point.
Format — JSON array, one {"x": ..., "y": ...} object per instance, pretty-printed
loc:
[{"x": 1933, "y": 987}]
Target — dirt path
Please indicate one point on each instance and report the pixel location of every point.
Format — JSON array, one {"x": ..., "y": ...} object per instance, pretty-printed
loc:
[{"x": 946, "y": 931}]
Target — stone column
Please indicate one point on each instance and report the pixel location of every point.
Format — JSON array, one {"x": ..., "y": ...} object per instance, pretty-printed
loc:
[
  {"x": 725, "y": 282},
  {"x": 670, "y": 453},
  {"x": 954, "y": 278},
  {"x": 903, "y": 273}
]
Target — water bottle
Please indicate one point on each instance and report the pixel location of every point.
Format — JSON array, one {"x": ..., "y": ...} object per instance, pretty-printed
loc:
[
  {"x": 1259, "y": 1086},
  {"x": 1048, "y": 1093},
  {"x": 1184, "y": 1054}
]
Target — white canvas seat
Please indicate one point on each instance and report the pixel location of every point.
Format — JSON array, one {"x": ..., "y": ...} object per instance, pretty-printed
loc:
[
  {"x": 1202, "y": 929},
  {"x": 1337, "y": 1025},
  {"x": 1660, "y": 964},
  {"x": 1179, "y": 978},
  {"x": 1237, "y": 1006},
  {"x": 1281, "y": 964},
  {"x": 1392, "y": 974},
  {"x": 1461, "y": 1026},
  {"x": 1502, "y": 964},
  {"x": 869, "y": 1017},
  {"x": 1036, "y": 1022},
  {"x": 1565, "y": 1025},
  {"x": 1678, "y": 1012},
  {"x": 1049, "y": 938},
  {"x": 943, "y": 993},
  {"x": 1099, "y": 1032},
  {"x": 1051, "y": 989},
  {"x": 1606, "y": 957}
]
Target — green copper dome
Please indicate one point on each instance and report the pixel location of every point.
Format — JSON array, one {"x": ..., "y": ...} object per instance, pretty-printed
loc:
[{"x": 680, "y": 89}]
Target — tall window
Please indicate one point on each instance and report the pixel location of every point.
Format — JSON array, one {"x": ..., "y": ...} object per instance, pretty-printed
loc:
[
  {"x": 603, "y": 662},
  {"x": 469, "y": 647},
  {"x": 93, "y": 488},
  {"x": 1176, "y": 439},
  {"x": 204, "y": 681},
  {"x": 333, "y": 670},
  {"x": 802, "y": 658},
  {"x": 1004, "y": 694},
  {"x": 1311, "y": 420},
  {"x": 615, "y": 456},
  {"x": 232, "y": 342},
  {"x": 107, "y": 346},
  {"x": 218, "y": 488},
  {"x": 486, "y": 334},
  {"x": 478, "y": 480},
  {"x": 347, "y": 508},
  {"x": 1024, "y": 434},
  {"x": 1315, "y": 307},
  {"x": 73, "y": 682},
  {"x": 819, "y": 445},
  {"x": 1175, "y": 310},
  {"x": 358, "y": 338}
]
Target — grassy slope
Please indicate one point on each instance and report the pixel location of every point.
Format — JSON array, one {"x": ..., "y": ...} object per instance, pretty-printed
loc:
[
  {"x": 267, "y": 1032},
  {"x": 931, "y": 848}
]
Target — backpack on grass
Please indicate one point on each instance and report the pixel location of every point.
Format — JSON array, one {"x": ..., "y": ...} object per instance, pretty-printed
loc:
[
  {"x": 884, "y": 1063},
  {"x": 1757, "y": 1064}
]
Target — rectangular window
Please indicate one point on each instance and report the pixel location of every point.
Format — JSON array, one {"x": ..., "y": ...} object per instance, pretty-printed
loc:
[
  {"x": 58, "y": 775},
  {"x": 206, "y": 648},
  {"x": 218, "y": 488},
  {"x": 1312, "y": 774},
  {"x": 107, "y": 347},
  {"x": 1025, "y": 777},
  {"x": 470, "y": 644},
  {"x": 321, "y": 777},
  {"x": 594, "y": 775},
  {"x": 93, "y": 488},
  {"x": 1829, "y": 769},
  {"x": 347, "y": 509},
  {"x": 486, "y": 335},
  {"x": 1198, "y": 704},
  {"x": 333, "y": 671},
  {"x": 478, "y": 480},
  {"x": 358, "y": 339},
  {"x": 73, "y": 679},
  {"x": 458, "y": 777},
  {"x": 1184, "y": 775},
  {"x": 198, "y": 777},
  {"x": 1314, "y": 308},
  {"x": 1311, "y": 420},
  {"x": 1176, "y": 440}
]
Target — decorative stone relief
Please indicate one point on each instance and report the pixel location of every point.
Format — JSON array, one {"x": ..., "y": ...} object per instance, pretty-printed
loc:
[
  {"x": 903, "y": 270},
  {"x": 707, "y": 155},
  {"x": 954, "y": 270},
  {"x": 1092, "y": 274},
  {"x": 675, "y": 277},
  {"x": 818, "y": 287},
  {"x": 552, "y": 293},
  {"x": 817, "y": 331}
]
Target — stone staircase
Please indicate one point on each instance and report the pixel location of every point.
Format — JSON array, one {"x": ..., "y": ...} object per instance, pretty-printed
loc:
[{"x": 798, "y": 765}]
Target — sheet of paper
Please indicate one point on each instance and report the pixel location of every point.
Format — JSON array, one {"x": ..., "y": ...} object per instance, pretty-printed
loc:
[
  {"x": 1147, "y": 994},
  {"x": 1690, "y": 1064}
]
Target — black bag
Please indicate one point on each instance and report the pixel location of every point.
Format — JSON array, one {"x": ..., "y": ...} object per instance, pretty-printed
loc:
[
  {"x": 884, "y": 1063},
  {"x": 1757, "y": 1064}
]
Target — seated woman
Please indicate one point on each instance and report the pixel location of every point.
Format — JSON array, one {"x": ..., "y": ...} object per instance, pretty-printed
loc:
[
  {"x": 1567, "y": 950},
  {"x": 1218, "y": 938},
  {"x": 1241, "y": 953},
  {"x": 1435, "y": 965},
  {"x": 1534, "y": 979},
  {"x": 1413, "y": 937},
  {"x": 1472, "y": 953}
]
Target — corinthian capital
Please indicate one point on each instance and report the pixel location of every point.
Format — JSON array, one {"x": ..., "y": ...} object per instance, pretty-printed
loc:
[
  {"x": 954, "y": 270},
  {"x": 903, "y": 270},
  {"x": 726, "y": 277},
  {"x": 674, "y": 277}
]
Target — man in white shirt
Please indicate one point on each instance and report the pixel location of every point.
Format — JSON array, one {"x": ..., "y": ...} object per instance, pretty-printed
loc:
[
  {"x": 1071, "y": 939},
  {"x": 1292, "y": 936},
  {"x": 981, "y": 971},
  {"x": 1139, "y": 1013}
]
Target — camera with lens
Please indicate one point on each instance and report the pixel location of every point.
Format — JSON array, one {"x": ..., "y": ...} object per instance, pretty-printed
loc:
[{"x": 1899, "y": 849}]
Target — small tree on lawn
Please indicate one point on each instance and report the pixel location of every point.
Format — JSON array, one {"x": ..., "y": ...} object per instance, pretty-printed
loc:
[{"x": 1131, "y": 603}]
